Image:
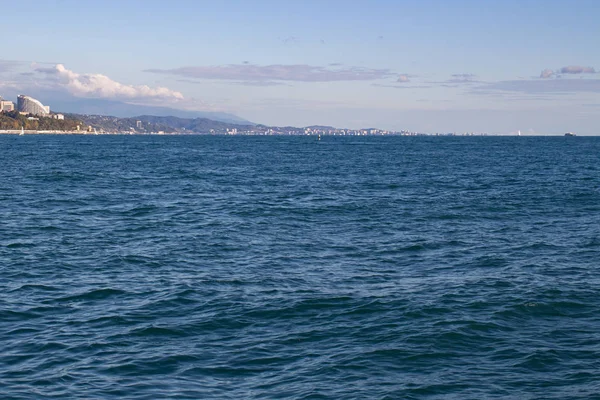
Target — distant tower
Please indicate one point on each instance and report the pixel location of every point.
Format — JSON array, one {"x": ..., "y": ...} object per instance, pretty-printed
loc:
[{"x": 138, "y": 124}]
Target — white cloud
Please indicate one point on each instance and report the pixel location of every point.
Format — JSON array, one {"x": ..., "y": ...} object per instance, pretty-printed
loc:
[{"x": 101, "y": 86}]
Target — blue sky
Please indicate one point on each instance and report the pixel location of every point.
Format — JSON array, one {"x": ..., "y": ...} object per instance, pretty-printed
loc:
[{"x": 433, "y": 66}]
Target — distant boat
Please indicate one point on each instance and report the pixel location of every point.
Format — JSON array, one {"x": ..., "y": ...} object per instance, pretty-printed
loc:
[
  {"x": 22, "y": 131},
  {"x": 570, "y": 134},
  {"x": 519, "y": 133}
]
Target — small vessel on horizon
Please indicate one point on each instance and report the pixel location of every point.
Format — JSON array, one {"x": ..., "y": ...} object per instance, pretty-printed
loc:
[
  {"x": 570, "y": 134},
  {"x": 22, "y": 131}
]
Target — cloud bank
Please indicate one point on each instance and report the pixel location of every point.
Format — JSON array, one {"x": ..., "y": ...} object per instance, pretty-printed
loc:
[
  {"x": 464, "y": 77},
  {"x": 550, "y": 83},
  {"x": 543, "y": 86},
  {"x": 101, "y": 86},
  {"x": 277, "y": 72},
  {"x": 575, "y": 69},
  {"x": 401, "y": 85},
  {"x": 457, "y": 80},
  {"x": 570, "y": 69}
]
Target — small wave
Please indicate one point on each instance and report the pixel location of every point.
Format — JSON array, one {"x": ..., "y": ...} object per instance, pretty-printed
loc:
[
  {"x": 36, "y": 287},
  {"x": 94, "y": 294},
  {"x": 156, "y": 331},
  {"x": 17, "y": 316},
  {"x": 19, "y": 245}
]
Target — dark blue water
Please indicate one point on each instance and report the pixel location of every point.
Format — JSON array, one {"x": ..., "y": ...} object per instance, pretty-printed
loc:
[{"x": 281, "y": 267}]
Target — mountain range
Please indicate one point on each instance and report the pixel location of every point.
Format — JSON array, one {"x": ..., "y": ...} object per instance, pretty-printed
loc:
[
  {"x": 153, "y": 123},
  {"x": 126, "y": 110}
]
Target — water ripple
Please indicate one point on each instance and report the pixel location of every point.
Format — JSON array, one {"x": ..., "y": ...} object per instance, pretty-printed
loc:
[{"x": 238, "y": 267}]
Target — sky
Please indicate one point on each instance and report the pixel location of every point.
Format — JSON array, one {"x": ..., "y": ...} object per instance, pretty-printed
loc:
[{"x": 428, "y": 66}]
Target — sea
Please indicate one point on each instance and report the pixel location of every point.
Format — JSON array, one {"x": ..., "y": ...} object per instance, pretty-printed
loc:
[{"x": 234, "y": 267}]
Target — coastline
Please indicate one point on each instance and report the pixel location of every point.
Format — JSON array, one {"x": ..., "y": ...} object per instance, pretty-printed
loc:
[{"x": 35, "y": 132}]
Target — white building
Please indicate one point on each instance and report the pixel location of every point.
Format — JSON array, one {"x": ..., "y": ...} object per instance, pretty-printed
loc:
[
  {"x": 6, "y": 105},
  {"x": 29, "y": 105}
]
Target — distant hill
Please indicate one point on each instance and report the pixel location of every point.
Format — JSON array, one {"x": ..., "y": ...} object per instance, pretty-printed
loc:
[
  {"x": 12, "y": 120},
  {"x": 192, "y": 124},
  {"x": 320, "y": 127},
  {"x": 151, "y": 123},
  {"x": 125, "y": 110}
]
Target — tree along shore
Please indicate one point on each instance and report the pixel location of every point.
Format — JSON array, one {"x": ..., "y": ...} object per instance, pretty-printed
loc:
[{"x": 14, "y": 121}]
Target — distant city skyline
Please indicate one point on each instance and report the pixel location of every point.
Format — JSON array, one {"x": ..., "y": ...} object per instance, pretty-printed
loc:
[{"x": 427, "y": 66}]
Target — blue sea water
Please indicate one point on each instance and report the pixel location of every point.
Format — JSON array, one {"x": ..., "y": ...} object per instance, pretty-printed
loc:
[{"x": 195, "y": 267}]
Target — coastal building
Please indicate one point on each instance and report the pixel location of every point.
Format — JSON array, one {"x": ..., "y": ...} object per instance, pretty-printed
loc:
[
  {"x": 6, "y": 105},
  {"x": 58, "y": 116},
  {"x": 29, "y": 105}
]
